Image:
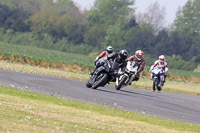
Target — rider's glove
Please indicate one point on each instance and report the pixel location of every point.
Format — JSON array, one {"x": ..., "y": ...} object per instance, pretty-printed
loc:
[
  {"x": 120, "y": 73},
  {"x": 95, "y": 61},
  {"x": 102, "y": 63},
  {"x": 115, "y": 73},
  {"x": 165, "y": 73}
]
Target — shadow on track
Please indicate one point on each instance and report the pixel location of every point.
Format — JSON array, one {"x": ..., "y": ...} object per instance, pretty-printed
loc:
[
  {"x": 137, "y": 93},
  {"x": 125, "y": 93}
]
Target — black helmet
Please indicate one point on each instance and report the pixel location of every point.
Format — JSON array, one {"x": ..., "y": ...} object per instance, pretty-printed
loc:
[
  {"x": 123, "y": 54},
  {"x": 109, "y": 49}
]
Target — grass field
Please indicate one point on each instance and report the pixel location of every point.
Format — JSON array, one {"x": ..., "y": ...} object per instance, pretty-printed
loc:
[
  {"x": 49, "y": 58},
  {"x": 43, "y": 57},
  {"x": 25, "y": 112}
]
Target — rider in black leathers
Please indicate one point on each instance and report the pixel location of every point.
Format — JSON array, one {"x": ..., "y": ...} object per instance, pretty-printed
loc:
[{"x": 120, "y": 59}]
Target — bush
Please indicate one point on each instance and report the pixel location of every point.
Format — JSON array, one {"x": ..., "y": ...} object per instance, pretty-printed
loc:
[
  {"x": 174, "y": 62},
  {"x": 44, "y": 41}
]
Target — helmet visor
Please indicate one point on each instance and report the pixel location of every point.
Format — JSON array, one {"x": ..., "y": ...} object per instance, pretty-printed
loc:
[
  {"x": 109, "y": 51},
  {"x": 139, "y": 57},
  {"x": 162, "y": 59}
]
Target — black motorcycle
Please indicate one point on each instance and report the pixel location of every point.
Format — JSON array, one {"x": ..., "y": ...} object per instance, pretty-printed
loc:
[{"x": 104, "y": 74}]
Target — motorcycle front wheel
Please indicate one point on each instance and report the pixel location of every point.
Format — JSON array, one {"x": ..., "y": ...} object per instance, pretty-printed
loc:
[
  {"x": 154, "y": 83},
  {"x": 121, "y": 82},
  {"x": 88, "y": 85},
  {"x": 100, "y": 82}
]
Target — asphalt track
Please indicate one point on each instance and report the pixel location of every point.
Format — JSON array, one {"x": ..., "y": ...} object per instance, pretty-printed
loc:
[{"x": 165, "y": 105}]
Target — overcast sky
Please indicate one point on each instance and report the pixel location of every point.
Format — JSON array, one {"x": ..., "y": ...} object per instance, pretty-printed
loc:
[{"x": 141, "y": 5}]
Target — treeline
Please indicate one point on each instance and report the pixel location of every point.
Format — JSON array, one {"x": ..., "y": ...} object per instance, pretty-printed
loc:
[{"x": 60, "y": 25}]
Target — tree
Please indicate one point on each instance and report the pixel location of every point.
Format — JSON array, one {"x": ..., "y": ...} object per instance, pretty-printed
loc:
[
  {"x": 42, "y": 21},
  {"x": 30, "y": 6},
  {"x": 115, "y": 37},
  {"x": 187, "y": 20},
  {"x": 70, "y": 28},
  {"x": 104, "y": 14},
  {"x": 154, "y": 16},
  {"x": 13, "y": 19},
  {"x": 114, "y": 10},
  {"x": 95, "y": 36},
  {"x": 140, "y": 37},
  {"x": 60, "y": 19}
]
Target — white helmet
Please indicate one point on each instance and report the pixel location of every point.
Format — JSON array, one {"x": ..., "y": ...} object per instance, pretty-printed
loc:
[
  {"x": 162, "y": 58},
  {"x": 109, "y": 49}
]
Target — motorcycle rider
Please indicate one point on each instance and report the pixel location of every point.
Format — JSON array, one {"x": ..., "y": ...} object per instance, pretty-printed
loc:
[
  {"x": 139, "y": 60},
  {"x": 119, "y": 57},
  {"x": 163, "y": 65},
  {"x": 108, "y": 51}
]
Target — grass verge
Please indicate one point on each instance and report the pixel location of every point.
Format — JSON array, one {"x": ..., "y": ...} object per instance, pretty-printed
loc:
[{"x": 22, "y": 111}]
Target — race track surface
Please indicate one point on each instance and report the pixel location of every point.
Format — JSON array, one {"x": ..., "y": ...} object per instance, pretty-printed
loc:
[{"x": 165, "y": 105}]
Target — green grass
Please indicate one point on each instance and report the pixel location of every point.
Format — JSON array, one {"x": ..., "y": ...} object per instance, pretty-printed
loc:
[
  {"x": 44, "y": 55},
  {"x": 50, "y": 56},
  {"x": 183, "y": 73},
  {"x": 22, "y": 111}
]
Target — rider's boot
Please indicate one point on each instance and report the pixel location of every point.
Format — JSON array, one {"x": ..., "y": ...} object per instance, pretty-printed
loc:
[
  {"x": 161, "y": 81},
  {"x": 92, "y": 72}
]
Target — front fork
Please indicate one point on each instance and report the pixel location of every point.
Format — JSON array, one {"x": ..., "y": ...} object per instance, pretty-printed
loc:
[{"x": 117, "y": 80}]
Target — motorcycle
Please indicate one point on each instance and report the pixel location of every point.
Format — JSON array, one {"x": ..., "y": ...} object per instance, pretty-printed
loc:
[
  {"x": 103, "y": 74},
  {"x": 157, "y": 73},
  {"x": 128, "y": 76}
]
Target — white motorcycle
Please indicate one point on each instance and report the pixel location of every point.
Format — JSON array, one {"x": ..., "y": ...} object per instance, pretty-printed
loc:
[{"x": 128, "y": 76}]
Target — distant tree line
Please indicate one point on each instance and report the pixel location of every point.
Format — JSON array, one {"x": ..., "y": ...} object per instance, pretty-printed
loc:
[{"x": 60, "y": 25}]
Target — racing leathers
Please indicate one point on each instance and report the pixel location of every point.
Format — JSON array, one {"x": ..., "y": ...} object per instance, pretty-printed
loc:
[
  {"x": 113, "y": 56},
  {"x": 103, "y": 54},
  {"x": 98, "y": 60},
  {"x": 160, "y": 65},
  {"x": 140, "y": 63}
]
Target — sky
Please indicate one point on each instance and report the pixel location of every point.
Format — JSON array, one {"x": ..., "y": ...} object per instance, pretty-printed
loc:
[{"x": 171, "y": 6}]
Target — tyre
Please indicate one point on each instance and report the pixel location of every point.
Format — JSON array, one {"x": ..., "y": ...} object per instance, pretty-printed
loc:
[
  {"x": 159, "y": 88},
  {"x": 100, "y": 82},
  {"x": 121, "y": 82},
  {"x": 154, "y": 84},
  {"x": 88, "y": 85}
]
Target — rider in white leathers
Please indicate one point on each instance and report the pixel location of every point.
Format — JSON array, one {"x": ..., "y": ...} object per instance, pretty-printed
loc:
[{"x": 160, "y": 64}]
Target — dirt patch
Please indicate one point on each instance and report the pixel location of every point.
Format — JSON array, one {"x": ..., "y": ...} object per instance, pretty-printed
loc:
[{"x": 43, "y": 64}]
